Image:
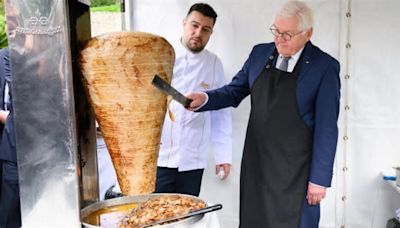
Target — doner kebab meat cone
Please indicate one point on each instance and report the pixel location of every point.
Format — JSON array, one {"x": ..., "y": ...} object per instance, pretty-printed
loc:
[{"x": 117, "y": 70}]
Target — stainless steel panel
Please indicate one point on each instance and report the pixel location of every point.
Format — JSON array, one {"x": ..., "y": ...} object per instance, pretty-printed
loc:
[
  {"x": 44, "y": 112},
  {"x": 80, "y": 33},
  {"x": 128, "y": 15}
]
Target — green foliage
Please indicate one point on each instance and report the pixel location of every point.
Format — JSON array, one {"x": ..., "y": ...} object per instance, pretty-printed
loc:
[
  {"x": 3, "y": 33},
  {"x": 111, "y": 8},
  {"x": 95, "y": 3}
]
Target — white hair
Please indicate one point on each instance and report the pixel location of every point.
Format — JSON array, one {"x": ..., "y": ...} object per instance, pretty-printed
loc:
[{"x": 300, "y": 10}]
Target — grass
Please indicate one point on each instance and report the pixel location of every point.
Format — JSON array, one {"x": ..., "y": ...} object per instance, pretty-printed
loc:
[{"x": 110, "y": 8}]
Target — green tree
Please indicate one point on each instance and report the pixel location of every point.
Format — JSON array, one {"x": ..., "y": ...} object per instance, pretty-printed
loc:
[
  {"x": 3, "y": 33},
  {"x": 95, "y": 3}
]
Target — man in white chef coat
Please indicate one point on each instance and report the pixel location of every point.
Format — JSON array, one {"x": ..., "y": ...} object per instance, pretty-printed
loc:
[{"x": 188, "y": 136}]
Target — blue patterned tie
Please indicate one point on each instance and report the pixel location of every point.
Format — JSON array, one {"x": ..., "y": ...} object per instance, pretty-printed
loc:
[{"x": 284, "y": 64}]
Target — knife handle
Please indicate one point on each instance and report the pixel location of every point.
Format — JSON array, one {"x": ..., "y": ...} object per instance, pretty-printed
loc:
[{"x": 187, "y": 102}]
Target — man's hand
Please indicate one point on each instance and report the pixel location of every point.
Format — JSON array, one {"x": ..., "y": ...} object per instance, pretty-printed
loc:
[
  {"x": 226, "y": 167},
  {"x": 315, "y": 194},
  {"x": 3, "y": 116},
  {"x": 198, "y": 100}
]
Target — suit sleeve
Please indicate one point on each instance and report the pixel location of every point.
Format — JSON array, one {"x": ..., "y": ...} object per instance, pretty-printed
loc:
[
  {"x": 232, "y": 94},
  {"x": 326, "y": 131}
]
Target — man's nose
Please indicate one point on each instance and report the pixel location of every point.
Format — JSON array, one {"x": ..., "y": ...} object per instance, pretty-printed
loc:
[
  {"x": 197, "y": 31},
  {"x": 280, "y": 38}
]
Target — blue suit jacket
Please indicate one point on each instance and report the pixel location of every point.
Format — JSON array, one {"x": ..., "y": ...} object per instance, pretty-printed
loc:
[
  {"x": 318, "y": 94},
  {"x": 3, "y": 53},
  {"x": 7, "y": 140}
]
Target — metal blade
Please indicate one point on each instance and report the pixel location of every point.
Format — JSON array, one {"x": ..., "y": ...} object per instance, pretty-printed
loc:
[{"x": 166, "y": 88}]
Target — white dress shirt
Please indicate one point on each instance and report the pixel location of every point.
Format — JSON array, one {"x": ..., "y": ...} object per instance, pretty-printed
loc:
[
  {"x": 6, "y": 96},
  {"x": 186, "y": 140},
  {"x": 292, "y": 61}
]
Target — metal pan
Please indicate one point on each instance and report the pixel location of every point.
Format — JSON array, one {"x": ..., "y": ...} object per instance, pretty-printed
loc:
[{"x": 108, "y": 213}]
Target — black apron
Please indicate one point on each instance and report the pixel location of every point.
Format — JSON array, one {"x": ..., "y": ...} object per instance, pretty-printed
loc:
[{"x": 277, "y": 152}]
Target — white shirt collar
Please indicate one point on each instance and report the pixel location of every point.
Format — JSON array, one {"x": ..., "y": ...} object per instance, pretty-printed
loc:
[
  {"x": 292, "y": 61},
  {"x": 296, "y": 56}
]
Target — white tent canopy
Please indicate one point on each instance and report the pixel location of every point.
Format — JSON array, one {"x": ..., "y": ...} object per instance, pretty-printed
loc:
[{"x": 363, "y": 35}]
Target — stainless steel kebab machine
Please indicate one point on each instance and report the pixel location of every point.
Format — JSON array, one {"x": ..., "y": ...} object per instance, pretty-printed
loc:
[{"x": 55, "y": 128}]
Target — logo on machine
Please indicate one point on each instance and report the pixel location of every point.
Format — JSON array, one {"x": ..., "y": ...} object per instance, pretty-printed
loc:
[
  {"x": 38, "y": 20},
  {"x": 38, "y": 25}
]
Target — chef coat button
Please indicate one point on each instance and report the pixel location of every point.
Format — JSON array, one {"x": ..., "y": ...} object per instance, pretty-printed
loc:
[
  {"x": 267, "y": 66},
  {"x": 307, "y": 62},
  {"x": 271, "y": 57}
]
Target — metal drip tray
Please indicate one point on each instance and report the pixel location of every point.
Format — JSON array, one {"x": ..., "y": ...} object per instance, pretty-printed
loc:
[{"x": 109, "y": 213}]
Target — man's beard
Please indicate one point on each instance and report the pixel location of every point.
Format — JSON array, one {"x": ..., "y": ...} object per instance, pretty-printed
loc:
[{"x": 195, "y": 49}]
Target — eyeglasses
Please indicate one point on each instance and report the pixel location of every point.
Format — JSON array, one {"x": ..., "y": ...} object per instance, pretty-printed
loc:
[{"x": 285, "y": 35}]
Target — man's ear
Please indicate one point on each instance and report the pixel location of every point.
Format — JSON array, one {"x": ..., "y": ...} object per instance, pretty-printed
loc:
[{"x": 309, "y": 33}]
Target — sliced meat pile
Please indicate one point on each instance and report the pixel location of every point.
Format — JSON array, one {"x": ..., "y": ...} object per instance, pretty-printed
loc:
[{"x": 160, "y": 208}]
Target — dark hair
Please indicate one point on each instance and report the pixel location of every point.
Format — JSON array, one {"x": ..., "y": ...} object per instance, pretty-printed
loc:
[{"x": 204, "y": 9}]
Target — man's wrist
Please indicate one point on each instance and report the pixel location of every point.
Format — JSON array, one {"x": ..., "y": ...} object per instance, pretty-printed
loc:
[
  {"x": 205, "y": 102},
  {"x": 317, "y": 185},
  {"x": 3, "y": 116}
]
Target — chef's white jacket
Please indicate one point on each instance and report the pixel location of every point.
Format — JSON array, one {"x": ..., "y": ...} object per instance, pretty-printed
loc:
[{"x": 186, "y": 140}]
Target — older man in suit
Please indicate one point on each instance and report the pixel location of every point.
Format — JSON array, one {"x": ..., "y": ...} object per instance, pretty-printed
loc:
[{"x": 292, "y": 132}]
